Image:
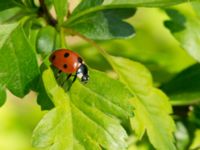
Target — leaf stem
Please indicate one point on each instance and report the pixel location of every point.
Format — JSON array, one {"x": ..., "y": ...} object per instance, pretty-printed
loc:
[
  {"x": 62, "y": 38},
  {"x": 184, "y": 103},
  {"x": 93, "y": 43},
  {"x": 94, "y": 9}
]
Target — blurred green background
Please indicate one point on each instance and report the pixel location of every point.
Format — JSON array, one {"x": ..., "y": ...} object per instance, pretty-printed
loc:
[
  {"x": 153, "y": 46},
  {"x": 18, "y": 117}
]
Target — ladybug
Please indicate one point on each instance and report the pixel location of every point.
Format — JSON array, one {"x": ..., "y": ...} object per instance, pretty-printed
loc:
[{"x": 69, "y": 62}]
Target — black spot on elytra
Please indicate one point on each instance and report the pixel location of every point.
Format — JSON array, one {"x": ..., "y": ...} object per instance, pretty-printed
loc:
[
  {"x": 65, "y": 66},
  {"x": 80, "y": 60},
  {"x": 53, "y": 57},
  {"x": 66, "y": 54}
]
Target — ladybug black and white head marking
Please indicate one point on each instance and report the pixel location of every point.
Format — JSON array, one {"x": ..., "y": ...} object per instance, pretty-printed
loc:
[{"x": 82, "y": 73}]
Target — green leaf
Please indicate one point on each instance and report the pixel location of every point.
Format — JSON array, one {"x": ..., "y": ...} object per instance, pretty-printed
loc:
[
  {"x": 55, "y": 129},
  {"x": 101, "y": 25},
  {"x": 113, "y": 101},
  {"x": 29, "y": 3},
  {"x": 152, "y": 108},
  {"x": 105, "y": 25},
  {"x": 196, "y": 7},
  {"x": 58, "y": 41},
  {"x": 86, "y": 4},
  {"x": 2, "y": 96},
  {"x": 91, "y": 6},
  {"x": 182, "y": 136},
  {"x": 43, "y": 99},
  {"x": 185, "y": 29},
  {"x": 45, "y": 40},
  {"x": 88, "y": 119},
  {"x": 8, "y": 4},
  {"x": 8, "y": 14},
  {"x": 177, "y": 22},
  {"x": 184, "y": 88},
  {"x": 144, "y": 3},
  {"x": 19, "y": 69},
  {"x": 61, "y": 9},
  {"x": 5, "y": 32},
  {"x": 90, "y": 20}
]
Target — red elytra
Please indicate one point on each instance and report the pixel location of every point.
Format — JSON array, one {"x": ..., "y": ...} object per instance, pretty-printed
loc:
[{"x": 66, "y": 60}]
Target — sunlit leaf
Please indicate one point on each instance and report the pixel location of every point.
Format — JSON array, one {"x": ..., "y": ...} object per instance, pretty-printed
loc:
[
  {"x": 5, "y": 32},
  {"x": 91, "y": 116},
  {"x": 186, "y": 30},
  {"x": 195, "y": 142},
  {"x": 152, "y": 108},
  {"x": 55, "y": 129},
  {"x": 196, "y": 7}
]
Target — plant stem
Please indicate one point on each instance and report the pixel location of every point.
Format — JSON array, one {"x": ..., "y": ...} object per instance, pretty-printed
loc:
[
  {"x": 62, "y": 38},
  {"x": 185, "y": 103},
  {"x": 93, "y": 43},
  {"x": 44, "y": 11}
]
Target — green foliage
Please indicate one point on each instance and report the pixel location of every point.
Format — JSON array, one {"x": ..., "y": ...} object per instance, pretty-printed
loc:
[
  {"x": 144, "y": 3},
  {"x": 182, "y": 136},
  {"x": 177, "y": 22},
  {"x": 107, "y": 112},
  {"x": 61, "y": 7},
  {"x": 8, "y": 14},
  {"x": 196, "y": 6},
  {"x": 194, "y": 116},
  {"x": 9, "y": 4},
  {"x": 45, "y": 40},
  {"x": 186, "y": 32},
  {"x": 18, "y": 62},
  {"x": 184, "y": 88},
  {"x": 87, "y": 108},
  {"x": 2, "y": 96},
  {"x": 99, "y": 25},
  {"x": 149, "y": 100},
  {"x": 55, "y": 130},
  {"x": 89, "y": 6}
]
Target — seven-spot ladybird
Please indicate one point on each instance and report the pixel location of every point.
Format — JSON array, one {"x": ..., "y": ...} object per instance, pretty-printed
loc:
[{"x": 69, "y": 62}]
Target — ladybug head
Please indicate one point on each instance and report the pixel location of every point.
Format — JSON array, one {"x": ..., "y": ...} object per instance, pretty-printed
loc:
[{"x": 82, "y": 73}]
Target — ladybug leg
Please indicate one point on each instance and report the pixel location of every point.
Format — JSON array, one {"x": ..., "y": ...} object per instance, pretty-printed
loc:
[
  {"x": 74, "y": 79},
  {"x": 69, "y": 76},
  {"x": 75, "y": 76},
  {"x": 66, "y": 79},
  {"x": 58, "y": 74}
]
